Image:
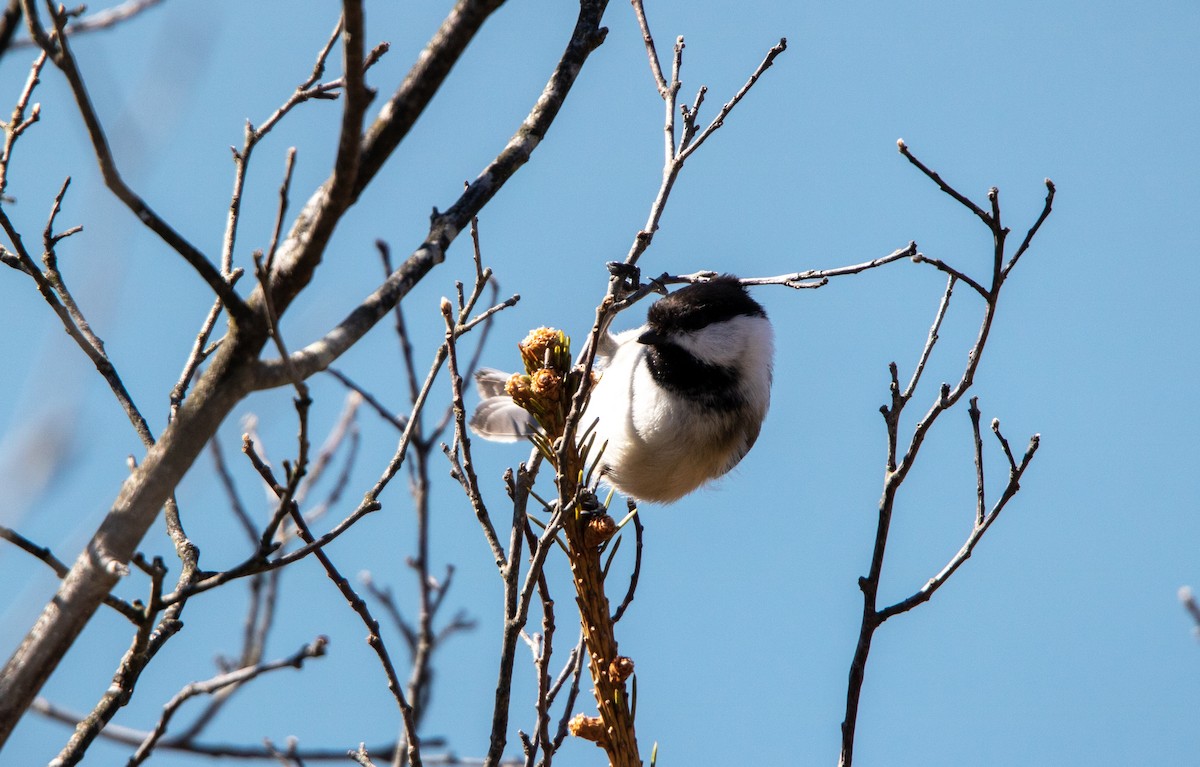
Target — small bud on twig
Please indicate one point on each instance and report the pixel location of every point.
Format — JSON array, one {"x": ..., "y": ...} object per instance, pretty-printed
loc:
[
  {"x": 599, "y": 529},
  {"x": 588, "y": 727},
  {"x": 620, "y": 669}
]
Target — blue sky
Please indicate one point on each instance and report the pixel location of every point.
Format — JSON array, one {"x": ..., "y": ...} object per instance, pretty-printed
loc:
[{"x": 1060, "y": 642}]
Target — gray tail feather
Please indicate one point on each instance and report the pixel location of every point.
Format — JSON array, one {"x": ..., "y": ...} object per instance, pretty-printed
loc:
[
  {"x": 489, "y": 382},
  {"x": 501, "y": 420},
  {"x": 497, "y": 417}
]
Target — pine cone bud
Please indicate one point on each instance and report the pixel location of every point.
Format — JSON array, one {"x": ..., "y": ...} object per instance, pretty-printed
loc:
[
  {"x": 620, "y": 669},
  {"x": 599, "y": 529},
  {"x": 587, "y": 727}
]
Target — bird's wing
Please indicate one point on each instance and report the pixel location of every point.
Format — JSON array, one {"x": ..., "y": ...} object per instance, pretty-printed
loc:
[
  {"x": 490, "y": 382},
  {"x": 497, "y": 417}
]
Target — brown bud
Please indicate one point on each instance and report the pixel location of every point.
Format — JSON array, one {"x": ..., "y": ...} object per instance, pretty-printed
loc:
[
  {"x": 588, "y": 727},
  {"x": 518, "y": 387},
  {"x": 620, "y": 669},
  {"x": 545, "y": 383},
  {"x": 599, "y": 529},
  {"x": 534, "y": 347}
]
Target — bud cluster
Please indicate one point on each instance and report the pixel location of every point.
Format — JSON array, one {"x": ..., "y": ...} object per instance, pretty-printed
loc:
[{"x": 545, "y": 389}]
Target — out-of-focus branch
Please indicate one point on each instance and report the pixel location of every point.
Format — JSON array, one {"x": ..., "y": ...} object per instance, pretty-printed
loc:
[
  {"x": 1187, "y": 598},
  {"x": 314, "y": 649},
  {"x": 445, "y": 227},
  {"x": 18, "y": 123},
  {"x": 57, "y": 48},
  {"x": 9, "y": 21},
  {"x": 103, "y": 19},
  {"x": 232, "y": 372},
  {"x": 134, "y": 737},
  {"x": 43, "y": 554}
]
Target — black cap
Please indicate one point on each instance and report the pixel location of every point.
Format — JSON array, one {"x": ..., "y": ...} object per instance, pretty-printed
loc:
[{"x": 699, "y": 305}]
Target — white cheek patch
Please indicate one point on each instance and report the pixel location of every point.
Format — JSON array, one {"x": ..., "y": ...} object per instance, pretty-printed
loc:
[{"x": 746, "y": 340}]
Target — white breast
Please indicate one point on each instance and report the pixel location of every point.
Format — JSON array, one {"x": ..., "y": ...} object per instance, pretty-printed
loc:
[{"x": 661, "y": 446}]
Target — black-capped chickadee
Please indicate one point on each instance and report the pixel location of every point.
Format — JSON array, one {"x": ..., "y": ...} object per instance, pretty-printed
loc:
[{"x": 680, "y": 400}]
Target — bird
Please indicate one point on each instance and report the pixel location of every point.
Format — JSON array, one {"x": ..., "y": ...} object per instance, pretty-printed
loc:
[{"x": 680, "y": 400}]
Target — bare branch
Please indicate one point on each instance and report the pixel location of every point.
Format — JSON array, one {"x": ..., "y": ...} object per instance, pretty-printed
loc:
[
  {"x": 51, "y": 286},
  {"x": 900, "y": 462},
  {"x": 104, "y": 19},
  {"x": 18, "y": 123},
  {"x": 800, "y": 279},
  {"x": 942, "y": 266},
  {"x": 60, "y": 53},
  {"x": 977, "y": 531},
  {"x": 933, "y": 176},
  {"x": 315, "y": 649},
  {"x": 980, "y": 495},
  {"x": 1033, "y": 230},
  {"x": 43, "y": 554},
  {"x": 133, "y": 737},
  {"x": 369, "y": 398},
  {"x": 651, "y": 51},
  {"x": 464, "y": 472},
  {"x": 930, "y": 341},
  {"x": 719, "y": 120}
]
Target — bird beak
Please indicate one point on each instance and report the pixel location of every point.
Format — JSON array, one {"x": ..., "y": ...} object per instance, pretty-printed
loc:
[{"x": 650, "y": 338}]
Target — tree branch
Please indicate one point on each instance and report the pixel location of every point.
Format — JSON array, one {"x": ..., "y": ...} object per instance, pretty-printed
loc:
[
  {"x": 59, "y": 51},
  {"x": 899, "y": 463},
  {"x": 233, "y": 371}
]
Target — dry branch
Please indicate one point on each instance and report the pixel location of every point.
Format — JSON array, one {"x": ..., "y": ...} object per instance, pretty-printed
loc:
[
  {"x": 234, "y": 370},
  {"x": 901, "y": 457}
]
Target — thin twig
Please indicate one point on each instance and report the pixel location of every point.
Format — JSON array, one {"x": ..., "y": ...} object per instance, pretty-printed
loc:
[
  {"x": 18, "y": 123},
  {"x": 103, "y": 19},
  {"x": 315, "y": 649},
  {"x": 374, "y": 640},
  {"x": 651, "y": 50},
  {"x": 1033, "y": 230},
  {"x": 43, "y": 554},
  {"x": 977, "y": 531},
  {"x": 930, "y": 340},
  {"x": 933, "y": 176},
  {"x": 719, "y": 120},
  {"x": 59, "y": 52},
  {"x": 899, "y": 463}
]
